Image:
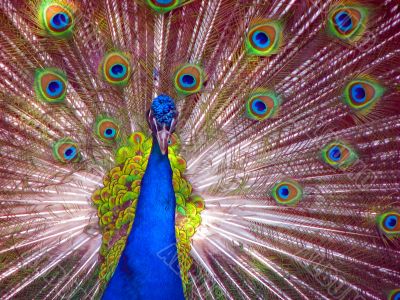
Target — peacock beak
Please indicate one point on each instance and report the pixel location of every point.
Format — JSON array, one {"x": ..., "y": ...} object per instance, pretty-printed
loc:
[{"x": 162, "y": 134}]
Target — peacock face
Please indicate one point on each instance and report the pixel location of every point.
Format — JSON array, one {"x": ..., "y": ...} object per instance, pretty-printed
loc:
[{"x": 162, "y": 119}]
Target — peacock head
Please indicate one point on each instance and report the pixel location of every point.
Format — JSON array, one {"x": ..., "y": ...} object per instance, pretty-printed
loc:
[{"x": 162, "y": 118}]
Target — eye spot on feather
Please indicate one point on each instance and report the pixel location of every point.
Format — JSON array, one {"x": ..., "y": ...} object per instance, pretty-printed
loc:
[
  {"x": 287, "y": 192},
  {"x": 262, "y": 105},
  {"x": 57, "y": 19},
  {"x": 106, "y": 129},
  {"x": 188, "y": 79},
  {"x": 362, "y": 94},
  {"x": 66, "y": 151},
  {"x": 347, "y": 22},
  {"x": 60, "y": 21},
  {"x": 338, "y": 155},
  {"x": 136, "y": 138},
  {"x": 163, "y": 6},
  {"x": 55, "y": 88},
  {"x": 118, "y": 71},
  {"x": 335, "y": 153},
  {"x": 70, "y": 153},
  {"x": 164, "y": 2},
  {"x": 259, "y": 106},
  {"x": 394, "y": 294},
  {"x": 389, "y": 223},
  {"x": 261, "y": 39},
  {"x": 116, "y": 68},
  {"x": 343, "y": 21},
  {"x": 50, "y": 85},
  {"x": 110, "y": 132},
  {"x": 283, "y": 191},
  {"x": 358, "y": 93},
  {"x": 264, "y": 38}
]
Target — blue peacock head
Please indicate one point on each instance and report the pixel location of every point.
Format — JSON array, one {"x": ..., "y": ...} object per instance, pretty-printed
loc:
[{"x": 162, "y": 118}]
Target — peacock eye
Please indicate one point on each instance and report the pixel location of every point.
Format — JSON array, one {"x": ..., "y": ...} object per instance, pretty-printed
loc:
[
  {"x": 58, "y": 20},
  {"x": 362, "y": 94},
  {"x": 394, "y": 294},
  {"x": 287, "y": 192},
  {"x": 261, "y": 106},
  {"x": 264, "y": 39},
  {"x": 174, "y": 142},
  {"x": 338, "y": 155},
  {"x": 347, "y": 22},
  {"x": 116, "y": 68},
  {"x": 50, "y": 85},
  {"x": 106, "y": 129},
  {"x": 389, "y": 223},
  {"x": 65, "y": 150},
  {"x": 163, "y": 6},
  {"x": 188, "y": 79}
]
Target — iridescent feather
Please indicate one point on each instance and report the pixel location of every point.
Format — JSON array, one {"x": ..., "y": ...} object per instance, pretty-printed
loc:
[{"x": 299, "y": 200}]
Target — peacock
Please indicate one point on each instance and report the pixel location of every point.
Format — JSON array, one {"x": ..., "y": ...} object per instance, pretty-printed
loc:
[{"x": 200, "y": 149}]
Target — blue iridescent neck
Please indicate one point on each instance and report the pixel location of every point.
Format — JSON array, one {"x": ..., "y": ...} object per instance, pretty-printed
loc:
[{"x": 148, "y": 267}]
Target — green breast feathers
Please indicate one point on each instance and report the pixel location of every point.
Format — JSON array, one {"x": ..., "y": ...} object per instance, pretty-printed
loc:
[{"x": 116, "y": 202}]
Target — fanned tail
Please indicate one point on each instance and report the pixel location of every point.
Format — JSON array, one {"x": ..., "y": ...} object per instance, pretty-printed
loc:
[{"x": 294, "y": 146}]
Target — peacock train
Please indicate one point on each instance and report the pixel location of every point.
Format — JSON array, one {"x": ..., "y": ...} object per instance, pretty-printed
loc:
[{"x": 199, "y": 149}]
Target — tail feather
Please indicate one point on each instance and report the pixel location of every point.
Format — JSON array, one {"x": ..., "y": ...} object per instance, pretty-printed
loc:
[{"x": 330, "y": 244}]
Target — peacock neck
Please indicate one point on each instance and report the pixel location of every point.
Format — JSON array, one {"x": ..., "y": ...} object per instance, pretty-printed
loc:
[{"x": 148, "y": 267}]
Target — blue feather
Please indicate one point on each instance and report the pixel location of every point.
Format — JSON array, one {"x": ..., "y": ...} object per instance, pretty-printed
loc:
[
  {"x": 143, "y": 271},
  {"x": 164, "y": 109}
]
